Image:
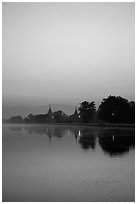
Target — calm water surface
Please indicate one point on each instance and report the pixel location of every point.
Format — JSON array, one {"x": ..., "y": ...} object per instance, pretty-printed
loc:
[{"x": 66, "y": 163}]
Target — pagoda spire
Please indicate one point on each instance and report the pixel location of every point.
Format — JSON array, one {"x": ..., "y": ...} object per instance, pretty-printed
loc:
[
  {"x": 49, "y": 111},
  {"x": 76, "y": 112},
  {"x": 50, "y": 114}
]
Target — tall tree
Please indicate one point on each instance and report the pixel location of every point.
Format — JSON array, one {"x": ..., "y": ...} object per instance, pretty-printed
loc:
[
  {"x": 87, "y": 111},
  {"x": 116, "y": 109}
]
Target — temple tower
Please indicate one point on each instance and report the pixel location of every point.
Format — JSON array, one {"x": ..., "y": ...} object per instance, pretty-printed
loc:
[{"x": 50, "y": 114}]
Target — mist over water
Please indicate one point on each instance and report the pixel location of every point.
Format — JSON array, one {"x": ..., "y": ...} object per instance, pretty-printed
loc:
[{"x": 67, "y": 163}]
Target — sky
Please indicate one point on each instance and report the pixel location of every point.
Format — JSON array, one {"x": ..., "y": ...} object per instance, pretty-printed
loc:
[{"x": 67, "y": 52}]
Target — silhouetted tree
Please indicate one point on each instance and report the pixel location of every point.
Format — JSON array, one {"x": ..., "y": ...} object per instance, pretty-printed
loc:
[
  {"x": 87, "y": 111},
  {"x": 132, "y": 111},
  {"x": 29, "y": 119},
  {"x": 112, "y": 109},
  {"x": 116, "y": 110},
  {"x": 59, "y": 116}
]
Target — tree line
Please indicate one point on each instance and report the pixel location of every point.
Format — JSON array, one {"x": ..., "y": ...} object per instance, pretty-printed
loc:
[{"x": 113, "y": 109}]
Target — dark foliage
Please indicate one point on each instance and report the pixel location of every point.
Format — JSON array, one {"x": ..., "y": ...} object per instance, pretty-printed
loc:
[
  {"x": 87, "y": 111},
  {"x": 113, "y": 109},
  {"x": 59, "y": 116},
  {"x": 117, "y": 110}
]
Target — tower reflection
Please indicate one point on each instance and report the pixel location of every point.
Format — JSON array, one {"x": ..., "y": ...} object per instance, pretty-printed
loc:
[{"x": 112, "y": 142}]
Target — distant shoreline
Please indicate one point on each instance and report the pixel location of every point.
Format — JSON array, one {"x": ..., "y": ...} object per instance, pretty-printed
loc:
[{"x": 98, "y": 125}]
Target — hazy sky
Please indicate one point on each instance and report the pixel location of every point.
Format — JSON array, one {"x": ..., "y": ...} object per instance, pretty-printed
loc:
[{"x": 67, "y": 52}]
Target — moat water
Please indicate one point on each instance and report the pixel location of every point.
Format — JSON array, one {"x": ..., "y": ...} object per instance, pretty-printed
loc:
[{"x": 67, "y": 163}]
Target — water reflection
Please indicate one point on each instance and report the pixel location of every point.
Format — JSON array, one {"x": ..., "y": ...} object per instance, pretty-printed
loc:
[
  {"x": 16, "y": 128},
  {"x": 116, "y": 143},
  {"x": 113, "y": 142},
  {"x": 87, "y": 139}
]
